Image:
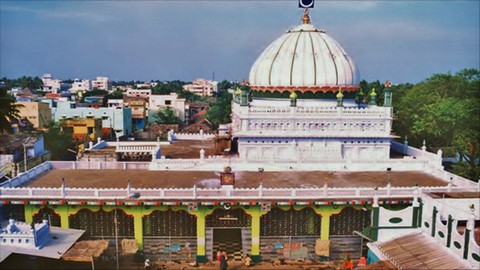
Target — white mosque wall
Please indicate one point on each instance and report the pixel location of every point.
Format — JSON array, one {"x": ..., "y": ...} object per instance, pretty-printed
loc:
[{"x": 312, "y": 149}]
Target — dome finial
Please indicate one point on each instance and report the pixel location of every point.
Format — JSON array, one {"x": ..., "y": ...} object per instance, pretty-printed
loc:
[{"x": 306, "y": 18}]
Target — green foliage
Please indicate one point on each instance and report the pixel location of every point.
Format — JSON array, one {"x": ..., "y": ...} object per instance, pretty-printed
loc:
[
  {"x": 165, "y": 88},
  {"x": 167, "y": 116},
  {"x": 221, "y": 106},
  {"x": 58, "y": 141},
  {"x": 116, "y": 95},
  {"x": 24, "y": 81},
  {"x": 444, "y": 111},
  {"x": 8, "y": 111}
]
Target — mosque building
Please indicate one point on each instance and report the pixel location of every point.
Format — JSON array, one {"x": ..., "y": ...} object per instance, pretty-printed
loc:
[
  {"x": 303, "y": 107},
  {"x": 317, "y": 174}
]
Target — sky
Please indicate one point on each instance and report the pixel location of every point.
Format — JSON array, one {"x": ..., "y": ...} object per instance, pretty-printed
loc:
[{"x": 402, "y": 41}]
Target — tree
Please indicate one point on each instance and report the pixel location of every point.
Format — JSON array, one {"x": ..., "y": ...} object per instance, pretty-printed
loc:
[
  {"x": 443, "y": 110},
  {"x": 58, "y": 142},
  {"x": 167, "y": 116},
  {"x": 220, "y": 109},
  {"x": 8, "y": 111}
]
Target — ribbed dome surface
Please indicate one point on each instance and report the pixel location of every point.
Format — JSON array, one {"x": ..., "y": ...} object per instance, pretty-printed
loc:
[{"x": 304, "y": 59}]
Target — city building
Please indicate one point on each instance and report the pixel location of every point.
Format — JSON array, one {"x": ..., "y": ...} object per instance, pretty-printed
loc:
[
  {"x": 116, "y": 122},
  {"x": 140, "y": 93},
  {"x": 81, "y": 85},
  {"x": 202, "y": 87},
  {"x": 157, "y": 102},
  {"x": 138, "y": 105},
  {"x": 38, "y": 113},
  {"x": 51, "y": 85},
  {"x": 84, "y": 130},
  {"x": 21, "y": 151},
  {"x": 103, "y": 83}
]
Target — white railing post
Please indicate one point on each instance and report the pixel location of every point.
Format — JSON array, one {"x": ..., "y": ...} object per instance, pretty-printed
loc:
[
  {"x": 260, "y": 189},
  {"x": 63, "y": 188},
  {"x": 195, "y": 190},
  {"x": 415, "y": 198},
  {"x": 325, "y": 189},
  {"x": 389, "y": 189}
]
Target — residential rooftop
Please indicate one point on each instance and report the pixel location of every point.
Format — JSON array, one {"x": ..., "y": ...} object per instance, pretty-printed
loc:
[{"x": 243, "y": 179}]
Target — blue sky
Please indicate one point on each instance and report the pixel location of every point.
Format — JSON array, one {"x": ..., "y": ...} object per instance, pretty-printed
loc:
[{"x": 403, "y": 41}]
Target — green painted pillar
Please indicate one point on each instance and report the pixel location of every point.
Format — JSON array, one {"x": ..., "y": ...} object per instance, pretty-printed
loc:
[
  {"x": 256, "y": 213},
  {"x": 376, "y": 218},
  {"x": 387, "y": 101},
  {"x": 449, "y": 230},
  {"x": 201, "y": 246},
  {"x": 29, "y": 212},
  {"x": 468, "y": 232},
  {"x": 434, "y": 221}
]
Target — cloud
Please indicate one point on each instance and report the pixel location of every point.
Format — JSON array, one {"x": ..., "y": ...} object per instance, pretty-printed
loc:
[
  {"x": 362, "y": 6},
  {"x": 61, "y": 12}
]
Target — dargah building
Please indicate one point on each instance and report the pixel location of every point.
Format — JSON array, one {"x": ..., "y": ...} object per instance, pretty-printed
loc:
[{"x": 314, "y": 172}]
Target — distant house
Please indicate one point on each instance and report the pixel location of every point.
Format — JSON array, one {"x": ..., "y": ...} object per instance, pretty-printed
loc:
[
  {"x": 14, "y": 148},
  {"x": 38, "y": 113}
]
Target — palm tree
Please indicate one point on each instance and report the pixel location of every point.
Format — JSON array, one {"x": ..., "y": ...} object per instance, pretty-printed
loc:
[{"x": 8, "y": 111}]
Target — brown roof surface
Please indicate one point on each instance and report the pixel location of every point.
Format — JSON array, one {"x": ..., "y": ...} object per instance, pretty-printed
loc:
[
  {"x": 418, "y": 251},
  {"x": 188, "y": 149},
  {"x": 244, "y": 179}
]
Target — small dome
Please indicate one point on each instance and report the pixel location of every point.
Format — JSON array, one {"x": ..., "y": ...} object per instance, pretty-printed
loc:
[{"x": 306, "y": 59}]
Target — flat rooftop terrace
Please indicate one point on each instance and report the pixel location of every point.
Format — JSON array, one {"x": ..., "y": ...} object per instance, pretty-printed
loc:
[{"x": 243, "y": 179}]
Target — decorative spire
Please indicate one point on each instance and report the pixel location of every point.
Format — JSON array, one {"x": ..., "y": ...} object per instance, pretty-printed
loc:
[
  {"x": 306, "y": 18},
  {"x": 373, "y": 95},
  {"x": 340, "y": 98},
  {"x": 293, "y": 99}
]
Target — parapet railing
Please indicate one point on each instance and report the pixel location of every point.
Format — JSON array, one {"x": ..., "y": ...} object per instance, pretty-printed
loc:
[{"x": 194, "y": 193}]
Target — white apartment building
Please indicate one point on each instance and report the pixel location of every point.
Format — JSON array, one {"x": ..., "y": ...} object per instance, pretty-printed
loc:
[
  {"x": 143, "y": 93},
  {"x": 81, "y": 85},
  {"x": 157, "y": 102},
  {"x": 202, "y": 87},
  {"x": 102, "y": 83},
  {"x": 50, "y": 85},
  {"x": 115, "y": 103}
]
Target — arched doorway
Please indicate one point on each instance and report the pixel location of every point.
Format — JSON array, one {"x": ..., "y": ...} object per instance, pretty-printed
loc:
[
  {"x": 289, "y": 233},
  {"x": 342, "y": 232},
  {"x": 170, "y": 235},
  {"x": 48, "y": 214},
  {"x": 229, "y": 231},
  {"x": 100, "y": 224}
]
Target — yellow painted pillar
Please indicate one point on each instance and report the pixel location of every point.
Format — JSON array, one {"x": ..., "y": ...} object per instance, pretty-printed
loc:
[
  {"x": 201, "y": 243},
  {"x": 326, "y": 211},
  {"x": 137, "y": 225},
  {"x": 62, "y": 210},
  {"x": 325, "y": 227},
  {"x": 29, "y": 212},
  {"x": 255, "y": 212}
]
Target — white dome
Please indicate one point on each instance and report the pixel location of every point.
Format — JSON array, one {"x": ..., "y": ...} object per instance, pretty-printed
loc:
[{"x": 304, "y": 59}]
